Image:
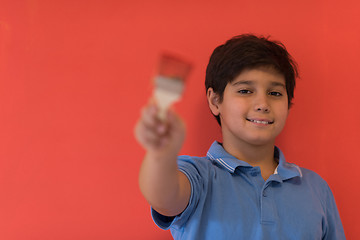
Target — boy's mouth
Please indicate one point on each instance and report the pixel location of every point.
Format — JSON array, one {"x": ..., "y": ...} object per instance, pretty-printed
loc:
[{"x": 260, "y": 121}]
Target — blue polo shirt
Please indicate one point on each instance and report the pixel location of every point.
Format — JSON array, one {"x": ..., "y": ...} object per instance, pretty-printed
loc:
[{"x": 230, "y": 200}]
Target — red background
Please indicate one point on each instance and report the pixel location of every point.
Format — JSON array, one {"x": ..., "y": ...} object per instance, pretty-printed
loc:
[{"x": 74, "y": 75}]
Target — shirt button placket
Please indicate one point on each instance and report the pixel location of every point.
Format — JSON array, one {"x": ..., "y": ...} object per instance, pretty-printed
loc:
[{"x": 267, "y": 207}]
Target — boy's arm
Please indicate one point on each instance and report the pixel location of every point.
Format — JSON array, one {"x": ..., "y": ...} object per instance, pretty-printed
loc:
[{"x": 162, "y": 184}]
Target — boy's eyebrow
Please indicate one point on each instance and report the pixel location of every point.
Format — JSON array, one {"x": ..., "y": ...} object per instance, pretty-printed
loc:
[
  {"x": 249, "y": 82},
  {"x": 246, "y": 82},
  {"x": 275, "y": 84}
]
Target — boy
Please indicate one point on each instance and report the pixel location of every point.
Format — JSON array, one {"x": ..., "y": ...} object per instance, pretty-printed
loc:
[{"x": 243, "y": 188}]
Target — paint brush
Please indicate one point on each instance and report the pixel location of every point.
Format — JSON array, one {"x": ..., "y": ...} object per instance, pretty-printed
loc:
[{"x": 169, "y": 82}]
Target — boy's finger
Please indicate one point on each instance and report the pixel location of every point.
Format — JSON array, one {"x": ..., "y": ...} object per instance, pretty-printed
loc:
[
  {"x": 150, "y": 120},
  {"x": 146, "y": 137},
  {"x": 149, "y": 116},
  {"x": 151, "y": 136},
  {"x": 155, "y": 126},
  {"x": 174, "y": 119}
]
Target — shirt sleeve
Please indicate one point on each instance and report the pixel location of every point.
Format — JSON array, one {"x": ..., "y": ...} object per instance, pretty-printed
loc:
[
  {"x": 192, "y": 170},
  {"x": 333, "y": 226}
]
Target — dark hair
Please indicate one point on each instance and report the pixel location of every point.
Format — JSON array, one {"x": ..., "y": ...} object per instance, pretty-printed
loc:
[{"x": 248, "y": 51}]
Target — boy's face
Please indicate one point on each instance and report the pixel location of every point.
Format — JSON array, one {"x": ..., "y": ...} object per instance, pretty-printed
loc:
[{"x": 254, "y": 107}]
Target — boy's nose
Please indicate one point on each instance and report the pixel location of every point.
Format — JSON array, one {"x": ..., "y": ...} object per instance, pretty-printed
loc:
[
  {"x": 262, "y": 109},
  {"x": 261, "y": 104}
]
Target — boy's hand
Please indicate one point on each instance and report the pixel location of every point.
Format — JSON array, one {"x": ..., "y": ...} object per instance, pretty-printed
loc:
[{"x": 160, "y": 137}]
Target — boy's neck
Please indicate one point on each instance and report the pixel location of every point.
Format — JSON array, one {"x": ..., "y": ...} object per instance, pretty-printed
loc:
[{"x": 256, "y": 155}]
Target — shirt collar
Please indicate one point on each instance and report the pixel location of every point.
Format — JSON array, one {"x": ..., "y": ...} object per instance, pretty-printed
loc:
[
  {"x": 285, "y": 170},
  {"x": 230, "y": 163}
]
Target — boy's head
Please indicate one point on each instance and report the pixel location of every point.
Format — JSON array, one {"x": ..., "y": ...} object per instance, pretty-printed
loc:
[{"x": 246, "y": 52}]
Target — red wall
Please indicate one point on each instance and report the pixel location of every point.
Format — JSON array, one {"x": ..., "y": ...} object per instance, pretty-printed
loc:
[{"x": 74, "y": 75}]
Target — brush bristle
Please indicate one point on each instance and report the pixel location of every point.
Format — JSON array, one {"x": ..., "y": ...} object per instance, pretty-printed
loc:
[
  {"x": 169, "y": 82},
  {"x": 173, "y": 85},
  {"x": 173, "y": 67}
]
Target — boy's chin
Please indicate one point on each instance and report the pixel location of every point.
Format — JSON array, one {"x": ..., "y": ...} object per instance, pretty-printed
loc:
[{"x": 261, "y": 141}]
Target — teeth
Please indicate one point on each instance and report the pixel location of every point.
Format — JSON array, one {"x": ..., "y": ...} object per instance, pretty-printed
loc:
[{"x": 262, "y": 122}]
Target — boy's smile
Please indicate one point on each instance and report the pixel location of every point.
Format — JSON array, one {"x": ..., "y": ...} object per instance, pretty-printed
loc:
[
  {"x": 260, "y": 121},
  {"x": 254, "y": 107}
]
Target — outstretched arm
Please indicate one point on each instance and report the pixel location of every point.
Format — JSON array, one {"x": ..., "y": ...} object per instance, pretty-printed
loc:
[{"x": 165, "y": 187}]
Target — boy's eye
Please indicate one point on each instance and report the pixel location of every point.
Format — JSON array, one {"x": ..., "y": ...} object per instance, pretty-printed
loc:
[
  {"x": 244, "y": 91},
  {"x": 276, "y": 94}
]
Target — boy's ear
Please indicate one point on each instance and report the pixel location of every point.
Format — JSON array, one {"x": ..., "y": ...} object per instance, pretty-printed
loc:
[{"x": 213, "y": 101}]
